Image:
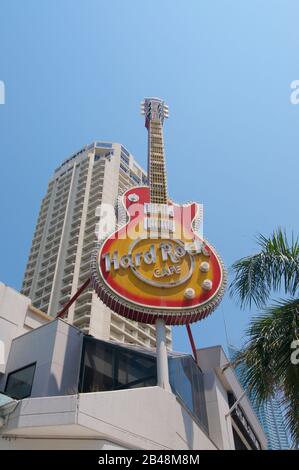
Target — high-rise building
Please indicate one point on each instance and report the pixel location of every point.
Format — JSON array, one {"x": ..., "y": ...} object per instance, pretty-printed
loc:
[
  {"x": 270, "y": 414},
  {"x": 65, "y": 237}
]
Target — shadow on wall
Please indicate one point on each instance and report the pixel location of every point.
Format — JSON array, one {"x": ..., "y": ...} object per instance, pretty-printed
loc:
[
  {"x": 188, "y": 424},
  {"x": 66, "y": 361}
]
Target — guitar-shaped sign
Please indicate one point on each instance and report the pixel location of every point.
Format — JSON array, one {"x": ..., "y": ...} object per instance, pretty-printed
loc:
[{"x": 156, "y": 265}]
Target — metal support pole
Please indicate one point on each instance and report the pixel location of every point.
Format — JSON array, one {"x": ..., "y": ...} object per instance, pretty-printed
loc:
[
  {"x": 72, "y": 299},
  {"x": 192, "y": 342},
  {"x": 162, "y": 359}
]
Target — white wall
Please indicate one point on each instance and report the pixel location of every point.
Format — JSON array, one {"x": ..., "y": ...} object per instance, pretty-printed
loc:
[
  {"x": 56, "y": 350},
  {"x": 16, "y": 318},
  {"x": 145, "y": 418},
  {"x": 13, "y": 310},
  {"x": 57, "y": 444}
]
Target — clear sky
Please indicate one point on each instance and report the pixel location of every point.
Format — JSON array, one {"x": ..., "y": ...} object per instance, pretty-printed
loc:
[{"x": 75, "y": 71}]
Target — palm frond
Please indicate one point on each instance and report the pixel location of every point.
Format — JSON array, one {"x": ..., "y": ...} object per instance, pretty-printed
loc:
[
  {"x": 265, "y": 360},
  {"x": 274, "y": 267}
]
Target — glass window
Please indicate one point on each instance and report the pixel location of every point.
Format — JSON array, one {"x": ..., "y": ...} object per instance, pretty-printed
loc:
[
  {"x": 124, "y": 168},
  {"x": 110, "y": 367},
  {"x": 135, "y": 178},
  {"x": 186, "y": 380},
  {"x": 19, "y": 382},
  {"x": 103, "y": 144},
  {"x": 125, "y": 151},
  {"x": 135, "y": 370},
  {"x": 125, "y": 158}
]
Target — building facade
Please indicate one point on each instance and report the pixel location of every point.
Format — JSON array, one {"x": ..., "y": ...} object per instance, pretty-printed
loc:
[
  {"x": 63, "y": 389},
  {"x": 270, "y": 414},
  {"x": 65, "y": 236},
  {"x": 17, "y": 316}
]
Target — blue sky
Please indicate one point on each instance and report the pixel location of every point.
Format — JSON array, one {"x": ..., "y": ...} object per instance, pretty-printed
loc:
[{"x": 75, "y": 71}]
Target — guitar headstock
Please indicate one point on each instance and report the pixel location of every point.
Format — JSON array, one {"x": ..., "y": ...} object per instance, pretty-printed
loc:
[{"x": 154, "y": 109}]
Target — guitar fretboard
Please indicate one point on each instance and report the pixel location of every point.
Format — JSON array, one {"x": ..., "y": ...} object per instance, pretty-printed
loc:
[{"x": 156, "y": 163}]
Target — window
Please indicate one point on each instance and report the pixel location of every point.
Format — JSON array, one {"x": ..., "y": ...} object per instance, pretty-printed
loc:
[
  {"x": 103, "y": 144},
  {"x": 186, "y": 380},
  {"x": 125, "y": 151},
  {"x": 125, "y": 158},
  {"x": 135, "y": 178},
  {"x": 108, "y": 367},
  {"x": 124, "y": 168},
  {"x": 19, "y": 382}
]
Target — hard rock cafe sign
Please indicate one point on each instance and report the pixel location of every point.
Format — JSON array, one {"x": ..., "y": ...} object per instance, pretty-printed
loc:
[{"x": 156, "y": 265}]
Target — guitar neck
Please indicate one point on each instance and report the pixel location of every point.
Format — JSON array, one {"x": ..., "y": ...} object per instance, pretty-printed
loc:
[{"x": 156, "y": 163}]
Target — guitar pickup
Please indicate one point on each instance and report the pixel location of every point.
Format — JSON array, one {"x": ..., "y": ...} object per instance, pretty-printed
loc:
[
  {"x": 158, "y": 209},
  {"x": 155, "y": 224}
]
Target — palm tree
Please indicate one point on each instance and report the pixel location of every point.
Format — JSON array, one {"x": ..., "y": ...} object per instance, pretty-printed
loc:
[{"x": 267, "y": 352}]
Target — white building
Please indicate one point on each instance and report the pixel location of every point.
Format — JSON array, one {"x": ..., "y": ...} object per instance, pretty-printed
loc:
[
  {"x": 63, "y": 389},
  {"x": 64, "y": 239},
  {"x": 17, "y": 316}
]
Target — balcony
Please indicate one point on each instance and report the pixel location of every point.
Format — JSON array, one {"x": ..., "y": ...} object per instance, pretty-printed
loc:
[
  {"x": 67, "y": 287},
  {"x": 48, "y": 288},
  {"x": 51, "y": 236},
  {"x": 85, "y": 268},
  {"x": 74, "y": 238},
  {"x": 79, "y": 204},
  {"x": 46, "y": 299},
  {"x": 89, "y": 230},
  {"x": 88, "y": 247},
  {"x": 82, "y": 322},
  {"x": 90, "y": 236},
  {"x": 71, "y": 258},
  {"x": 83, "y": 308},
  {"x": 81, "y": 188},
  {"x": 84, "y": 276},
  {"x": 80, "y": 198},
  {"x": 82, "y": 178},
  {"x": 41, "y": 283},
  {"x": 51, "y": 268},
  {"x": 93, "y": 197},
  {"x": 91, "y": 211},
  {"x": 69, "y": 268},
  {"x": 77, "y": 215},
  {"x": 38, "y": 294},
  {"x": 92, "y": 221},
  {"x": 85, "y": 258},
  {"x": 72, "y": 249},
  {"x": 86, "y": 296},
  {"x": 25, "y": 291},
  {"x": 94, "y": 191},
  {"x": 65, "y": 298},
  {"x": 49, "y": 279},
  {"x": 45, "y": 264},
  {"x": 68, "y": 278},
  {"x": 52, "y": 259},
  {"x": 55, "y": 251}
]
